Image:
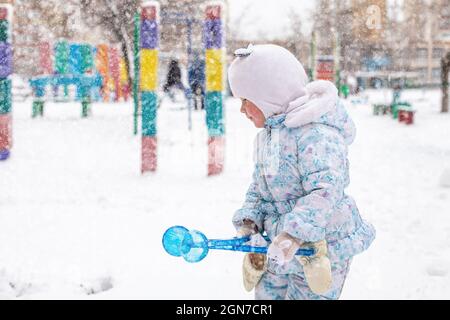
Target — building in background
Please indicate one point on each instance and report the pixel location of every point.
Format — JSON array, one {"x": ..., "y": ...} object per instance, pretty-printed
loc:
[
  {"x": 377, "y": 40},
  {"x": 427, "y": 28},
  {"x": 383, "y": 41}
]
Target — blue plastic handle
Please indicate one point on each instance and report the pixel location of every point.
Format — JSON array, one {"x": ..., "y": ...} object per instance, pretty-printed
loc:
[{"x": 232, "y": 246}]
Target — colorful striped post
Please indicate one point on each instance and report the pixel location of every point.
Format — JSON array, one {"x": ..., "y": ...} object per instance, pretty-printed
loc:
[
  {"x": 62, "y": 61},
  {"x": 114, "y": 68},
  {"x": 81, "y": 62},
  {"x": 45, "y": 58},
  {"x": 124, "y": 83},
  {"x": 46, "y": 66},
  {"x": 62, "y": 57},
  {"x": 6, "y": 58},
  {"x": 102, "y": 64},
  {"x": 87, "y": 60},
  {"x": 75, "y": 59},
  {"x": 38, "y": 87},
  {"x": 86, "y": 84},
  {"x": 214, "y": 60},
  {"x": 149, "y": 82}
]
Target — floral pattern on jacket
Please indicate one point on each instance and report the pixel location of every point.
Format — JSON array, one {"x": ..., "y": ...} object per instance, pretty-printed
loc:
[{"x": 298, "y": 186}]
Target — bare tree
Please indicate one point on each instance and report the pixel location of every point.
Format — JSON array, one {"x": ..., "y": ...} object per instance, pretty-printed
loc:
[
  {"x": 37, "y": 21},
  {"x": 445, "y": 70},
  {"x": 115, "y": 19}
]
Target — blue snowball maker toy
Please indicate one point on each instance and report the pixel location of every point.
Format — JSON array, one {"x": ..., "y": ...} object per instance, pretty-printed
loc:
[{"x": 194, "y": 246}]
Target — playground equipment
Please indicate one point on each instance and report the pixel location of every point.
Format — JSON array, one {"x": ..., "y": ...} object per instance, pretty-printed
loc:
[
  {"x": 124, "y": 89},
  {"x": 74, "y": 66},
  {"x": 45, "y": 58},
  {"x": 148, "y": 36},
  {"x": 344, "y": 90},
  {"x": 401, "y": 110},
  {"x": 114, "y": 67},
  {"x": 102, "y": 65},
  {"x": 194, "y": 246},
  {"x": 93, "y": 71},
  {"x": 326, "y": 67},
  {"x": 6, "y": 11},
  {"x": 84, "y": 85},
  {"x": 406, "y": 113},
  {"x": 380, "y": 108}
]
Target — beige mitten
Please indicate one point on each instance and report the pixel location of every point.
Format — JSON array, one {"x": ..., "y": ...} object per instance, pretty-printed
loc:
[
  {"x": 254, "y": 264},
  {"x": 317, "y": 268},
  {"x": 253, "y": 269}
]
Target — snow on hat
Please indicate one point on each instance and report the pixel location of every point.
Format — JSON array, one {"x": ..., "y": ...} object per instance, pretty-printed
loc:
[{"x": 269, "y": 76}]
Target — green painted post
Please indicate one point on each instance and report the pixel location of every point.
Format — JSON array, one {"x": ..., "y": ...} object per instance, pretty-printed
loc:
[
  {"x": 62, "y": 62},
  {"x": 137, "y": 22},
  {"x": 38, "y": 108},
  {"x": 35, "y": 110},
  {"x": 66, "y": 91},
  {"x": 86, "y": 86},
  {"x": 85, "y": 107}
]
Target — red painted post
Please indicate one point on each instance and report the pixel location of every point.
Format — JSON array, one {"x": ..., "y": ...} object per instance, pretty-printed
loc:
[
  {"x": 45, "y": 58},
  {"x": 114, "y": 68},
  {"x": 216, "y": 156},
  {"x": 149, "y": 156}
]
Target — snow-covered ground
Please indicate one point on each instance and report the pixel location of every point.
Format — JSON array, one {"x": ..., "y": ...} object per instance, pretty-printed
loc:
[{"x": 77, "y": 220}]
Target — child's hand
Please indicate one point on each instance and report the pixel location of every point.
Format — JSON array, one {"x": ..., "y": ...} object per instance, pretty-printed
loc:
[
  {"x": 247, "y": 229},
  {"x": 256, "y": 240},
  {"x": 283, "y": 248}
]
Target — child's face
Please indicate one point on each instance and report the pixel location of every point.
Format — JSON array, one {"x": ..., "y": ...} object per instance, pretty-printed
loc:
[{"x": 253, "y": 113}]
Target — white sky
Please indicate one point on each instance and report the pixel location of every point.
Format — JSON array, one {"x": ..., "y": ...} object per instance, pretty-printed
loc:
[{"x": 267, "y": 18}]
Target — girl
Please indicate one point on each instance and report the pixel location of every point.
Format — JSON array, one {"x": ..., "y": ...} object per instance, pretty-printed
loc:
[{"x": 297, "y": 194}]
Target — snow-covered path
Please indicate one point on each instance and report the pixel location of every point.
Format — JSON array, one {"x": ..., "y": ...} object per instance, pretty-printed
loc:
[
  {"x": 77, "y": 218},
  {"x": 395, "y": 172}
]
